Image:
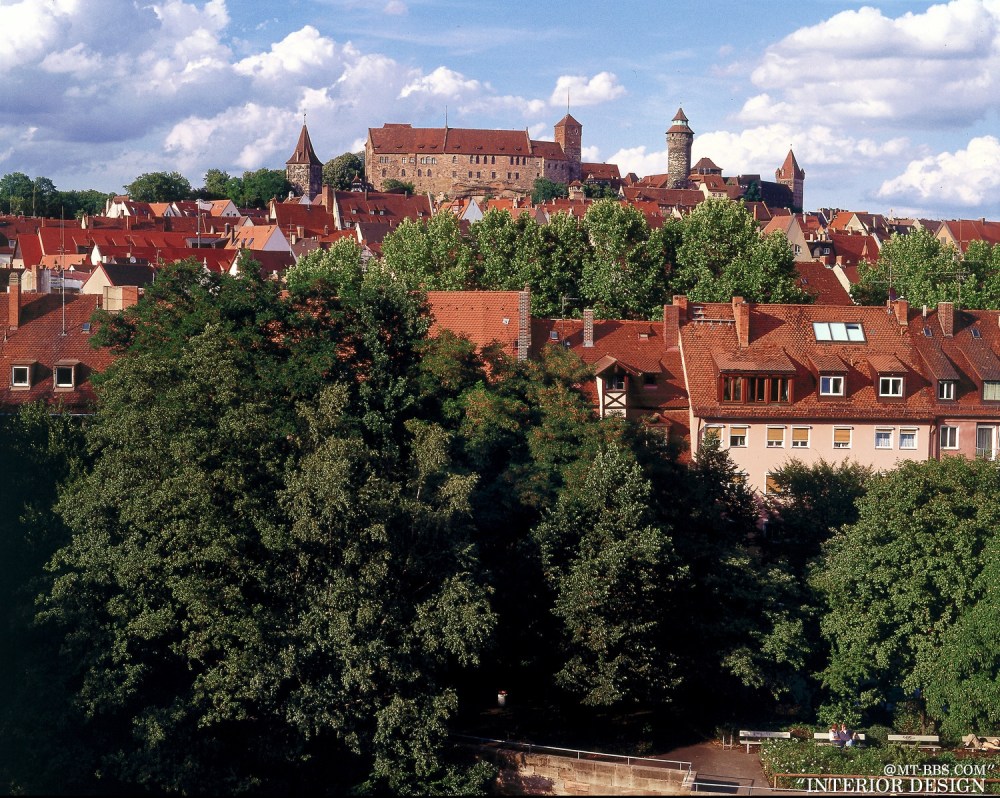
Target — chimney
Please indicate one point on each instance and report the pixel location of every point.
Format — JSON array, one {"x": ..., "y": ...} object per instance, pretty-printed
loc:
[
  {"x": 588, "y": 327},
  {"x": 741, "y": 313},
  {"x": 14, "y": 300},
  {"x": 946, "y": 317},
  {"x": 902, "y": 308},
  {"x": 671, "y": 326},
  {"x": 681, "y": 303},
  {"x": 523, "y": 323}
]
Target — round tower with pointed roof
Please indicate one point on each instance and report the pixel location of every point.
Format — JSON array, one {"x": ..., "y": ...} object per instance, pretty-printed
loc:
[
  {"x": 304, "y": 170},
  {"x": 679, "y": 139}
]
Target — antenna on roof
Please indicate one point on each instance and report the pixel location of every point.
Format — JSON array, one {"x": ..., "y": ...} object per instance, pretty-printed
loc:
[
  {"x": 446, "y": 117},
  {"x": 62, "y": 254}
]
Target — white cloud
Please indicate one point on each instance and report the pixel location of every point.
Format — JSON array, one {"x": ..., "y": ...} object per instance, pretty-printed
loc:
[
  {"x": 931, "y": 68},
  {"x": 590, "y": 155},
  {"x": 39, "y": 23},
  {"x": 965, "y": 177},
  {"x": 78, "y": 60},
  {"x": 442, "y": 82},
  {"x": 300, "y": 52},
  {"x": 580, "y": 91},
  {"x": 636, "y": 159}
]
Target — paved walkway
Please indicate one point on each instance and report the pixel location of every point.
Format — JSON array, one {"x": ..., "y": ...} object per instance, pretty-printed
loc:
[{"x": 732, "y": 771}]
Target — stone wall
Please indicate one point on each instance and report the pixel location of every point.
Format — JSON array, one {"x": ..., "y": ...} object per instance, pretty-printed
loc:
[{"x": 543, "y": 774}]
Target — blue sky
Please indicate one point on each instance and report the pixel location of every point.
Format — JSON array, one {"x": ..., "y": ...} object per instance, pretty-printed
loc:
[{"x": 888, "y": 106}]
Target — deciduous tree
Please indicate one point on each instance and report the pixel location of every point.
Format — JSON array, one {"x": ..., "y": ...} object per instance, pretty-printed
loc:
[{"x": 159, "y": 187}]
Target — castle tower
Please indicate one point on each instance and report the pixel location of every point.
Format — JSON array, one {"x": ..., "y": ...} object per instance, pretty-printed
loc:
[
  {"x": 679, "y": 139},
  {"x": 792, "y": 176},
  {"x": 304, "y": 170},
  {"x": 569, "y": 136}
]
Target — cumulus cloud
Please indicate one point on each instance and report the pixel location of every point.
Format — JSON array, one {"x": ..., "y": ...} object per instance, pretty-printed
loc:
[
  {"x": 931, "y": 68},
  {"x": 298, "y": 53},
  {"x": 442, "y": 82},
  {"x": 638, "y": 160},
  {"x": 966, "y": 177},
  {"x": 581, "y": 91}
]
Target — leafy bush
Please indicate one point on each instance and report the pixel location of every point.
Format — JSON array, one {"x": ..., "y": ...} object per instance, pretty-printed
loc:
[{"x": 789, "y": 756}]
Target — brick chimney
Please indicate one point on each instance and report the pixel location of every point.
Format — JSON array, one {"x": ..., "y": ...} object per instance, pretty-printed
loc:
[
  {"x": 523, "y": 323},
  {"x": 946, "y": 317},
  {"x": 681, "y": 303},
  {"x": 588, "y": 327},
  {"x": 741, "y": 313},
  {"x": 671, "y": 326},
  {"x": 14, "y": 300},
  {"x": 902, "y": 308}
]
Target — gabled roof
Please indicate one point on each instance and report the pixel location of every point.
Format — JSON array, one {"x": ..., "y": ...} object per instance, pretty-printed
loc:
[{"x": 484, "y": 317}]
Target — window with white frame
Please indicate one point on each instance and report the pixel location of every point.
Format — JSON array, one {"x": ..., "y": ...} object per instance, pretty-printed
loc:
[
  {"x": 946, "y": 389},
  {"x": 842, "y": 437},
  {"x": 893, "y": 386},
  {"x": 771, "y": 486},
  {"x": 737, "y": 436},
  {"x": 831, "y": 385},
  {"x": 991, "y": 390},
  {"x": 20, "y": 376},
  {"x": 800, "y": 437},
  {"x": 64, "y": 376},
  {"x": 907, "y": 439},
  {"x": 949, "y": 437},
  {"x": 775, "y": 437},
  {"x": 883, "y": 438},
  {"x": 986, "y": 441},
  {"x": 838, "y": 331}
]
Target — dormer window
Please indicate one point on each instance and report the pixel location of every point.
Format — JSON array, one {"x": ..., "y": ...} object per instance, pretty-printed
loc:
[
  {"x": 753, "y": 389},
  {"x": 20, "y": 376},
  {"x": 892, "y": 387},
  {"x": 64, "y": 375},
  {"x": 946, "y": 390},
  {"x": 991, "y": 390},
  {"x": 831, "y": 385},
  {"x": 616, "y": 382}
]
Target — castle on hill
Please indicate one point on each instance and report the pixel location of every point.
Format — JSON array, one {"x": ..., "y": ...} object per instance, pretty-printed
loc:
[{"x": 464, "y": 162}]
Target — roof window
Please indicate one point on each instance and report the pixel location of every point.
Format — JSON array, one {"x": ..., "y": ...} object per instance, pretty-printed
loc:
[{"x": 838, "y": 331}]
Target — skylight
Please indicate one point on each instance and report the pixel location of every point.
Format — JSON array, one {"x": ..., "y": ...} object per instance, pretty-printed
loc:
[{"x": 838, "y": 331}]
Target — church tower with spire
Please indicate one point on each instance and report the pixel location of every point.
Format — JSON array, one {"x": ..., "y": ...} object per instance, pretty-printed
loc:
[
  {"x": 792, "y": 176},
  {"x": 679, "y": 139},
  {"x": 304, "y": 170}
]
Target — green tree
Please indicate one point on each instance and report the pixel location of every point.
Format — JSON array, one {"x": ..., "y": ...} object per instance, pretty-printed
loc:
[
  {"x": 75, "y": 204},
  {"x": 16, "y": 189},
  {"x": 506, "y": 250},
  {"x": 544, "y": 189},
  {"x": 906, "y": 588},
  {"x": 159, "y": 187},
  {"x": 339, "y": 264},
  {"x": 258, "y": 188},
  {"x": 917, "y": 266},
  {"x": 621, "y": 278},
  {"x": 216, "y": 185},
  {"x": 722, "y": 255},
  {"x": 339, "y": 172},
  {"x": 40, "y": 749},
  {"x": 430, "y": 255},
  {"x": 225, "y": 640},
  {"x": 555, "y": 282},
  {"x": 613, "y": 571}
]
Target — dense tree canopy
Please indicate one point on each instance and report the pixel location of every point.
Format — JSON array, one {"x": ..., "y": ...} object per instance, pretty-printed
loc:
[
  {"x": 911, "y": 591},
  {"x": 19, "y": 194},
  {"x": 545, "y": 189},
  {"x": 339, "y": 172},
  {"x": 159, "y": 187},
  {"x": 722, "y": 255}
]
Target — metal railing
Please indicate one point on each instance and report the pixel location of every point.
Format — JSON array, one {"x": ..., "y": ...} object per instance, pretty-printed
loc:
[{"x": 531, "y": 748}]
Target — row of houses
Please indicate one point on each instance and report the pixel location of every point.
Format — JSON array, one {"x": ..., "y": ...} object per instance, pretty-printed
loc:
[{"x": 875, "y": 385}]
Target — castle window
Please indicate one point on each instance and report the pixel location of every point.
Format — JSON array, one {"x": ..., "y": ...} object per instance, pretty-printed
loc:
[
  {"x": 402, "y": 173},
  {"x": 493, "y": 175},
  {"x": 454, "y": 159},
  {"x": 420, "y": 173},
  {"x": 385, "y": 172},
  {"x": 454, "y": 173},
  {"x": 470, "y": 174},
  {"x": 479, "y": 174},
  {"x": 517, "y": 175},
  {"x": 493, "y": 159},
  {"x": 429, "y": 173}
]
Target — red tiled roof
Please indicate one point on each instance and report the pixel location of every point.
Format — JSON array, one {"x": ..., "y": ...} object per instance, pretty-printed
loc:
[
  {"x": 788, "y": 328},
  {"x": 820, "y": 281},
  {"x": 484, "y": 317},
  {"x": 39, "y": 339}
]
